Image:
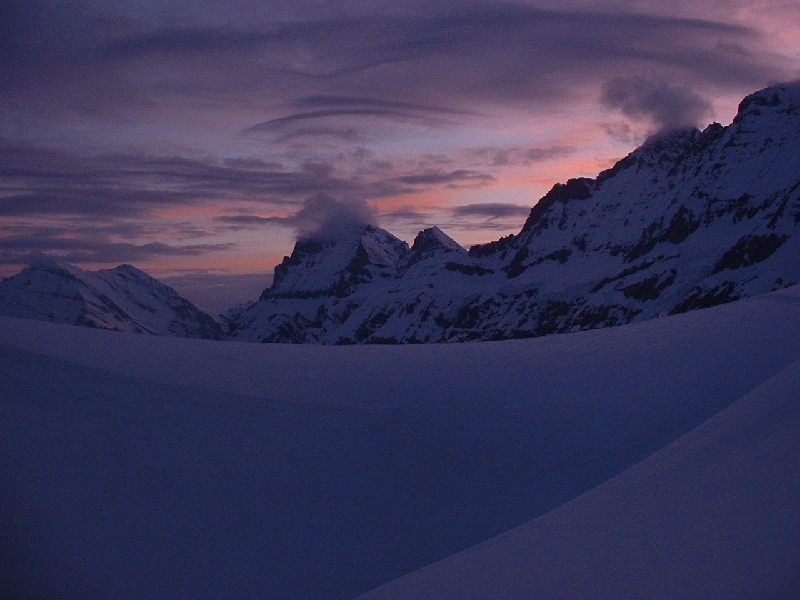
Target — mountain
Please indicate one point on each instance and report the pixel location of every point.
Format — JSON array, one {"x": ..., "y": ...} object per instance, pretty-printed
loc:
[
  {"x": 689, "y": 220},
  {"x": 121, "y": 299},
  {"x": 343, "y": 291}
]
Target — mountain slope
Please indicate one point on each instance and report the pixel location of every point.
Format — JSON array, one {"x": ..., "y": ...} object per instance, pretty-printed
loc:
[
  {"x": 121, "y": 299},
  {"x": 691, "y": 219}
]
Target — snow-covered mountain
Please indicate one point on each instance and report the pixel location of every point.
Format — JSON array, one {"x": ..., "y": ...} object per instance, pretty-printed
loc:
[
  {"x": 121, "y": 299},
  {"x": 690, "y": 219}
]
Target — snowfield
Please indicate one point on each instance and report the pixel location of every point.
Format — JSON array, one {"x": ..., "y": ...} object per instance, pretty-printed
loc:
[{"x": 652, "y": 460}]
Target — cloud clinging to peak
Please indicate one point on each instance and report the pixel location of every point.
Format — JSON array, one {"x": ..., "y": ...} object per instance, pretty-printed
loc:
[{"x": 664, "y": 105}]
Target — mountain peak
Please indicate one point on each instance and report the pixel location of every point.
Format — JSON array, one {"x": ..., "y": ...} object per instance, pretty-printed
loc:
[
  {"x": 120, "y": 299},
  {"x": 430, "y": 242},
  {"x": 317, "y": 268},
  {"x": 778, "y": 98},
  {"x": 433, "y": 237},
  {"x": 44, "y": 261}
]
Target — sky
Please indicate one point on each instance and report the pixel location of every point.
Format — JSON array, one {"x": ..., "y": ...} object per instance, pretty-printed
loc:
[{"x": 197, "y": 140}]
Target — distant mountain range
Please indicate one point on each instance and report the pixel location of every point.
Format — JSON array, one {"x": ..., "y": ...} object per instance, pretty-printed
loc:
[
  {"x": 689, "y": 220},
  {"x": 121, "y": 299}
]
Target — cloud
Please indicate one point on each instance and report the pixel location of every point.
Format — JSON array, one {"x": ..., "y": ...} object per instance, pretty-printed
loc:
[
  {"x": 548, "y": 153},
  {"x": 503, "y": 157},
  {"x": 37, "y": 181},
  {"x": 665, "y": 105},
  {"x": 492, "y": 210},
  {"x": 345, "y": 134},
  {"x": 324, "y": 100},
  {"x": 240, "y": 220},
  {"x": 452, "y": 178},
  {"x": 623, "y": 132},
  {"x": 104, "y": 239},
  {"x": 331, "y": 107},
  {"x": 323, "y": 114},
  {"x": 65, "y": 246},
  {"x": 351, "y": 62},
  {"x": 43, "y": 183},
  {"x": 323, "y": 218}
]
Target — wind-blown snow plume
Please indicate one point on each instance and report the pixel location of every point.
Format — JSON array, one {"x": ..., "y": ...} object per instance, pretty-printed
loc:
[
  {"x": 667, "y": 106},
  {"x": 325, "y": 219}
]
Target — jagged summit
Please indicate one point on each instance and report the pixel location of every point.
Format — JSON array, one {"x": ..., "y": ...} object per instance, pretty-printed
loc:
[
  {"x": 781, "y": 98},
  {"x": 121, "y": 299},
  {"x": 434, "y": 238},
  {"x": 430, "y": 242},
  {"x": 688, "y": 220},
  {"x": 317, "y": 269}
]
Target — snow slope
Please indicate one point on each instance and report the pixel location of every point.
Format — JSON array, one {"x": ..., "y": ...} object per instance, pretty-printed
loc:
[
  {"x": 155, "y": 467},
  {"x": 714, "y": 515},
  {"x": 120, "y": 299}
]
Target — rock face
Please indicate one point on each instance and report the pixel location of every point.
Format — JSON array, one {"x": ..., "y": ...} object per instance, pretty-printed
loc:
[
  {"x": 120, "y": 299},
  {"x": 690, "y": 219}
]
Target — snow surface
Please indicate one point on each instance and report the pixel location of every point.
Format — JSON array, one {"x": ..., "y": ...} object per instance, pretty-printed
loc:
[
  {"x": 154, "y": 467},
  {"x": 714, "y": 515}
]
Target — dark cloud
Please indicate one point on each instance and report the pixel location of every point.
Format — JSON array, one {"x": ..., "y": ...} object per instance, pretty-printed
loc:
[
  {"x": 324, "y": 114},
  {"x": 490, "y": 216},
  {"x": 322, "y": 100},
  {"x": 548, "y": 153},
  {"x": 622, "y": 132},
  {"x": 492, "y": 210},
  {"x": 502, "y": 157},
  {"x": 352, "y": 63},
  {"x": 187, "y": 41},
  {"x": 239, "y": 220},
  {"x": 665, "y": 105},
  {"x": 457, "y": 177},
  {"x": 345, "y": 134},
  {"x": 347, "y": 106},
  {"x": 102, "y": 239},
  {"x": 91, "y": 248},
  {"x": 36, "y": 181},
  {"x": 252, "y": 163}
]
